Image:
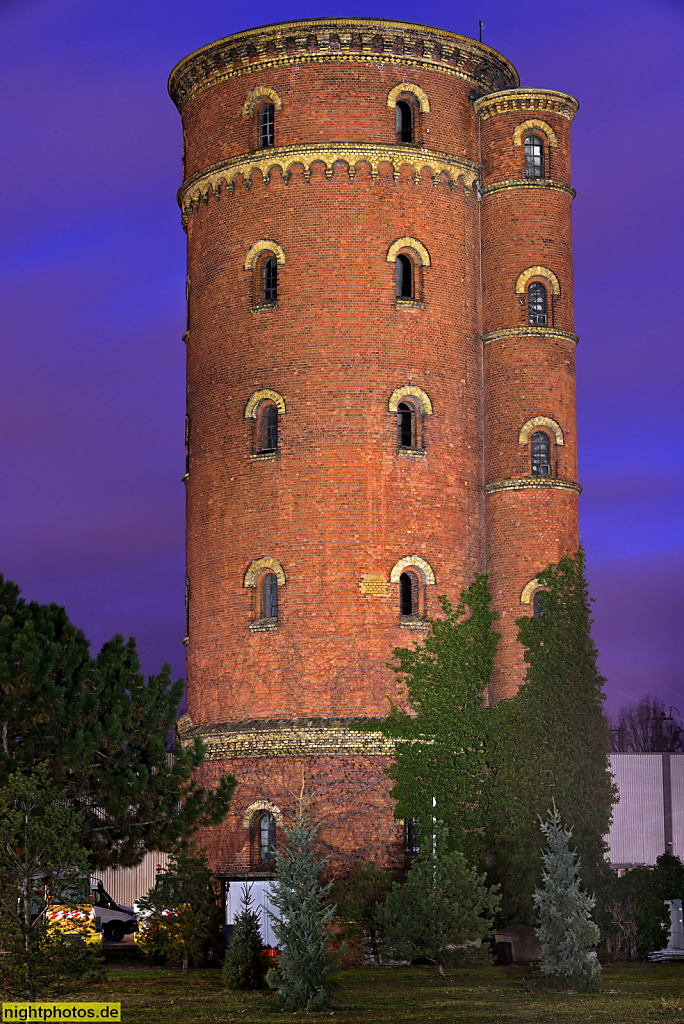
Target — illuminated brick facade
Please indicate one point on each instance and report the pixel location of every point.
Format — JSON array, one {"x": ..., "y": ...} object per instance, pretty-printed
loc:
[{"x": 371, "y": 209}]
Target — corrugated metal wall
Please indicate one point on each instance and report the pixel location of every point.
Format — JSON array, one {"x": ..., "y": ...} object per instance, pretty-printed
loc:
[
  {"x": 650, "y": 812},
  {"x": 126, "y": 885}
]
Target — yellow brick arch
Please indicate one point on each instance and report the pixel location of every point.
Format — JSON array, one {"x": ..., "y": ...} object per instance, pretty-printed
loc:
[
  {"x": 408, "y": 243},
  {"x": 262, "y": 92},
  {"x": 258, "y": 807},
  {"x": 534, "y": 125},
  {"x": 529, "y": 590},
  {"x": 264, "y": 245},
  {"x": 521, "y": 283},
  {"x": 540, "y": 421},
  {"x": 394, "y": 94},
  {"x": 258, "y": 566},
  {"x": 412, "y": 562},
  {"x": 255, "y": 400},
  {"x": 410, "y": 391}
]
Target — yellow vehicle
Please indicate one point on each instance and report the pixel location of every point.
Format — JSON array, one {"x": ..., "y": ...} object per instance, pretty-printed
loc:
[{"x": 73, "y": 913}]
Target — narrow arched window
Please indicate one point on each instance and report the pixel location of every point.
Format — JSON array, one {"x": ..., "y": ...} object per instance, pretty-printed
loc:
[
  {"x": 267, "y": 837},
  {"x": 406, "y": 425},
  {"x": 536, "y": 304},
  {"x": 269, "y": 429},
  {"x": 411, "y": 837},
  {"x": 269, "y": 280},
  {"x": 404, "y": 121},
  {"x": 537, "y": 606},
  {"x": 540, "y": 454},
  {"x": 269, "y": 596},
  {"x": 409, "y": 594},
  {"x": 534, "y": 157},
  {"x": 266, "y": 125},
  {"x": 404, "y": 277}
]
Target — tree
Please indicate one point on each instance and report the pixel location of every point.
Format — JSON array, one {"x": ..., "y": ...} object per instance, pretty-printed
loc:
[
  {"x": 243, "y": 965},
  {"x": 40, "y": 853},
  {"x": 357, "y": 896},
  {"x": 440, "y": 752},
  {"x": 443, "y": 907},
  {"x": 180, "y": 917},
  {"x": 647, "y": 725},
  {"x": 303, "y": 978},
  {"x": 566, "y": 929},
  {"x": 551, "y": 741},
  {"x": 105, "y": 730}
]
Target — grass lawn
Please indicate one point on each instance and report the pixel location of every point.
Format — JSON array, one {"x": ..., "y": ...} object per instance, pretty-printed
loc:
[{"x": 631, "y": 994}]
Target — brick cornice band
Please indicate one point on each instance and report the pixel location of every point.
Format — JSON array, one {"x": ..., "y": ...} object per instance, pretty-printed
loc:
[
  {"x": 527, "y": 99},
  {"x": 545, "y": 184},
  {"x": 534, "y": 482},
  {"x": 529, "y": 332},
  {"x": 226, "y": 173},
  {"x": 278, "y": 737},
  {"x": 357, "y": 40}
]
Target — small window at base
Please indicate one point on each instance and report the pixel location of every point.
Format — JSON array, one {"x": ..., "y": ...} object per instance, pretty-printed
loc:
[
  {"x": 404, "y": 277},
  {"x": 269, "y": 596},
  {"x": 409, "y": 594},
  {"x": 537, "y": 606},
  {"x": 411, "y": 837},
  {"x": 269, "y": 280},
  {"x": 267, "y": 837}
]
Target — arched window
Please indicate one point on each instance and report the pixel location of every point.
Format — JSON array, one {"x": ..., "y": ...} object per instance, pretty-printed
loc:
[
  {"x": 267, "y": 837},
  {"x": 540, "y": 454},
  {"x": 537, "y": 607},
  {"x": 411, "y": 837},
  {"x": 266, "y": 126},
  {"x": 404, "y": 277},
  {"x": 536, "y": 305},
  {"x": 534, "y": 157},
  {"x": 269, "y": 428},
  {"x": 409, "y": 594},
  {"x": 404, "y": 121},
  {"x": 406, "y": 423},
  {"x": 269, "y": 596},
  {"x": 269, "y": 280}
]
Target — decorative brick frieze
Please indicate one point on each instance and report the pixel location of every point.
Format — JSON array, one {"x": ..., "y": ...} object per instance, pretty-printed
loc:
[
  {"x": 527, "y": 99},
  {"x": 284, "y": 738},
  {"x": 542, "y": 483}
]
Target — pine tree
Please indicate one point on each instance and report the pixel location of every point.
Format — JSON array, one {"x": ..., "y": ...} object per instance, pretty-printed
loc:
[
  {"x": 181, "y": 919},
  {"x": 303, "y": 978},
  {"x": 443, "y": 906},
  {"x": 551, "y": 741},
  {"x": 244, "y": 966},
  {"x": 40, "y": 854},
  {"x": 440, "y": 753},
  {"x": 105, "y": 730},
  {"x": 357, "y": 896},
  {"x": 566, "y": 929}
]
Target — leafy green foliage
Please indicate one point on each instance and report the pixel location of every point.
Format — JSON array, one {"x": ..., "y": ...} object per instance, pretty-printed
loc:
[
  {"x": 244, "y": 967},
  {"x": 566, "y": 929},
  {"x": 440, "y": 753},
  {"x": 181, "y": 920},
  {"x": 638, "y": 919},
  {"x": 105, "y": 729},
  {"x": 303, "y": 979},
  {"x": 551, "y": 741},
  {"x": 357, "y": 896},
  {"x": 40, "y": 853},
  {"x": 441, "y": 907}
]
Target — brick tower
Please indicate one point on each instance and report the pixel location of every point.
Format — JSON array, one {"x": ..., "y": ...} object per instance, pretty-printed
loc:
[{"x": 380, "y": 392}]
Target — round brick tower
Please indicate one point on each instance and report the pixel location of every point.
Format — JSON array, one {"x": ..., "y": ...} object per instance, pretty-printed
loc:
[{"x": 380, "y": 392}]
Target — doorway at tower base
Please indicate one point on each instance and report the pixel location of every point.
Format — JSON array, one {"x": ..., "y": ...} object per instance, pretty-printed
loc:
[{"x": 339, "y": 770}]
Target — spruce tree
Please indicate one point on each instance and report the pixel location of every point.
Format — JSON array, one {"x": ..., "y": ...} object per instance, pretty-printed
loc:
[
  {"x": 566, "y": 929},
  {"x": 181, "y": 919},
  {"x": 243, "y": 966},
  {"x": 441, "y": 908},
  {"x": 105, "y": 730},
  {"x": 303, "y": 978},
  {"x": 551, "y": 741},
  {"x": 440, "y": 753}
]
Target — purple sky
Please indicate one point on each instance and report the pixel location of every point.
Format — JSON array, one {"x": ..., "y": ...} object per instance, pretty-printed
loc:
[{"x": 93, "y": 305}]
